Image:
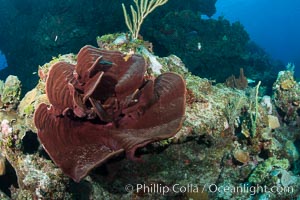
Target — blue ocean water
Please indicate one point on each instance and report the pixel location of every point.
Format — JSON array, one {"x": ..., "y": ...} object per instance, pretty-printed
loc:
[
  {"x": 273, "y": 24},
  {"x": 3, "y": 61}
]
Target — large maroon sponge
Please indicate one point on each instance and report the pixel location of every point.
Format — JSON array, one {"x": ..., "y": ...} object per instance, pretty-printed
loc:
[{"x": 105, "y": 105}]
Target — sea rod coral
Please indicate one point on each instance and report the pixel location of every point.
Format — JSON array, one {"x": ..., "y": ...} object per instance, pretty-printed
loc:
[{"x": 105, "y": 105}]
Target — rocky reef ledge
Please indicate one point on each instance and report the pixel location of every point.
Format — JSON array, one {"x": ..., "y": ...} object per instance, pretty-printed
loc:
[{"x": 233, "y": 143}]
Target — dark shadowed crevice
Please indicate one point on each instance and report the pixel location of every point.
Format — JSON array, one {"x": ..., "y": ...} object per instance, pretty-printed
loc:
[
  {"x": 8, "y": 179},
  {"x": 30, "y": 143},
  {"x": 80, "y": 190},
  {"x": 296, "y": 164}
]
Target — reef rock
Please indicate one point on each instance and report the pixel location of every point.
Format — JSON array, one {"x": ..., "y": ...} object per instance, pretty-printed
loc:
[
  {"x": 104, "y": 102},
  {"x": 287, "y": 96},
  {"x": 10, "y": 92}
]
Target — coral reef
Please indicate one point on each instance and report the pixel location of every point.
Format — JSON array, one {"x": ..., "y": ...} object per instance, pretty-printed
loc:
[
  {"x": 10, "y": 92},
  {"x": 287, "y": 96},
  {"x": 207, "y": 45},
  {"x": 239, "y": 83},
  {"x": 213, "y": 156},
  {"x": 55, "y": 27},
  {"x": 261, "y": 172}
]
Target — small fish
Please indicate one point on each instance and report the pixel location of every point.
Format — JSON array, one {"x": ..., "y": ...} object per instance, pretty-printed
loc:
[
  {"x": 250, "y": 81},
  {"x": 56, "y": 37},
  {"x": 199, "y": 46}
]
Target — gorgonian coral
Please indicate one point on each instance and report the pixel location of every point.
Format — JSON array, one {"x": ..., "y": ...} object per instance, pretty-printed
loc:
[{"x": 104, "y": 105}]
